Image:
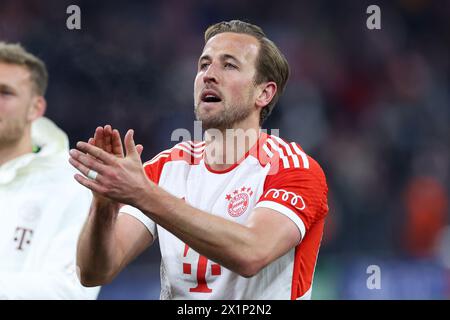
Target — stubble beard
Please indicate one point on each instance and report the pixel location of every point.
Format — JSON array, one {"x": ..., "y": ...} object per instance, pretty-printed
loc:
[
  {"x": 226, "y": 118},
  {"x": 11, "y": 132}
]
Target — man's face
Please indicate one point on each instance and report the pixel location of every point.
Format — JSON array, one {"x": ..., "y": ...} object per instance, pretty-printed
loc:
[
  {"x": 16, "y": 98},
  {"x": 224, "y": 89}
]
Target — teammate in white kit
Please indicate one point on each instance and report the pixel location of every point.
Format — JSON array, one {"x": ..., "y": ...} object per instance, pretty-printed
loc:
[
  {"x": 245, "y": 229},
  {"x": 42, "y": 210}
]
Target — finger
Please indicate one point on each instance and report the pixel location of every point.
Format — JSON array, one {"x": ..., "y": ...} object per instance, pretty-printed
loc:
[
  {"x": 96, "y": 152},
  {"x": 91, "y": 156},
  {"x": 91, "y": 141},
  {"x": 129, "y": 143},
  {"x": 91, "y": 184},
  {"x": 117, "y": 146},
  {"x": 98, "y": 137},
  {"x": 139, "y": 149},
  {"x": 107, "y": 132},
  {"x": 83, "y": 163},
  {"x": 84, "y": 170}
]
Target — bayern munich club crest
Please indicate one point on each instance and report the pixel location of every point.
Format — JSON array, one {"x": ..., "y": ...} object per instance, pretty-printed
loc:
[{"x": 238, "y": 201}]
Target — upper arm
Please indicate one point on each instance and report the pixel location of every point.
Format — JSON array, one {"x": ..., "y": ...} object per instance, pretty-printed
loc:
[
  {"x": 276, "y": 234},
  {"x": 134, "y": 231},
  {"x": 132, "y": 238},
  {"x": 291, "y": 202}
]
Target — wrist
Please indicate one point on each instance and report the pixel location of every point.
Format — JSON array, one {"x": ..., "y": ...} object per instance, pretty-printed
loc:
[
  {"x": 100, "y": 203},
  {"x": 146, "y": 197},
  {"x": 103, "y": 211}
]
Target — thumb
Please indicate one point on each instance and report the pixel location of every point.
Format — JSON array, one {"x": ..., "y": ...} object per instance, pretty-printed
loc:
[{"x": 130, "y": 147}]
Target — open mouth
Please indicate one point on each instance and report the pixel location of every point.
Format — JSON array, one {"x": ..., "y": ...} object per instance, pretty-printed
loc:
[{"x": 210, "y": 96}]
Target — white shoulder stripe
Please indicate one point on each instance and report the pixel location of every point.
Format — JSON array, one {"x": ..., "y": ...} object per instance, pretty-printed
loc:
[
  {"x": 281, "y": 152},
  {"x": 195, "y": 155},
  {"x": 198, "y": 144},
  {"x": 302, "y": 155},
  {"x": 289, "y": 151},
  {"x": 269, "y": 153},
  {"x": 155, "y": 159},
  {"x": 191, "y": 147},
  {"x": 164, "y": 153},
  {"x": 194, "y": 149}
]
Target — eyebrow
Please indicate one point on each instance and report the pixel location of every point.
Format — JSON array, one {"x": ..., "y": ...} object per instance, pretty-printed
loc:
[{"x": 223, "y": 57}]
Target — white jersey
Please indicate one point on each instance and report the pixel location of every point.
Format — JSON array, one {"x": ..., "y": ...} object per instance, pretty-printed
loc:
[
  {"x": 42, "y": 210},
  {"x": 274, "y": 174}
]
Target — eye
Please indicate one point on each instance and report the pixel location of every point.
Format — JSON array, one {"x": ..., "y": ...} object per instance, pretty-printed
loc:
[
  {"x": 6, "y": 93},
  {"x": 203, "y": 66},
  {"x": 230, "y": 66}
]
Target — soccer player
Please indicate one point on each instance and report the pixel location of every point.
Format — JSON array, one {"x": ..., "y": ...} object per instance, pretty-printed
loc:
[
  {"x": 244, "y": 229},
  {"x": 42, "y": 209}
]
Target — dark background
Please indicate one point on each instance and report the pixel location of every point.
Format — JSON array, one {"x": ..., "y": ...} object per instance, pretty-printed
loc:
[{"x": 372, "y": 106}]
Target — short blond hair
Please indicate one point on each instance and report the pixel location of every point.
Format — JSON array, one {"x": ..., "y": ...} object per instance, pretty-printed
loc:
[
  {"x": 271, "y": 64},
  {"x": 14, "y": 53}
]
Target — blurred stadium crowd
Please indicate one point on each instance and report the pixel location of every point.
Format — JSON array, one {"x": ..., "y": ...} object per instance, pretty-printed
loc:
[{"x": 372, "y": 106}]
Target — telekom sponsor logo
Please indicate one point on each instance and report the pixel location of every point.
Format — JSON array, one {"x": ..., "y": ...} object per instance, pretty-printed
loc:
[
  {"x": 287, "y": 196},
  {"x": 22, "y": 237}
]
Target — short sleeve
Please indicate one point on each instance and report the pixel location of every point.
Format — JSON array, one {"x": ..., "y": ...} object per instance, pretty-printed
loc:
[
  {"x": 298, "y": 193},
  {"x": 139, "y": 215},
  {"x": 152, "y": 170}
]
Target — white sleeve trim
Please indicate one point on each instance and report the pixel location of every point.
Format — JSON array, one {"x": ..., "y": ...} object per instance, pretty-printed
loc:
[
  {"x": 287, "y": 212},
  {"x": 146, "y": 221}
]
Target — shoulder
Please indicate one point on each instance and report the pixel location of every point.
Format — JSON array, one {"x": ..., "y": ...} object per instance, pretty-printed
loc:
[
  {"x": 54, "y": 168},
  {"x": 62, "y": 176},
  {"x": 51, "y": 180},
  {"x": 296, "y": 181},
  {"x": 188, "y": 152},
  {"x": 289, "y": 159}
]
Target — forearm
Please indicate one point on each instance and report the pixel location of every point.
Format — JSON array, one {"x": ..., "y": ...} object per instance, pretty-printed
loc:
[
  {"x": 97, "y": 250},
  {"x": 228, "y": 243}
]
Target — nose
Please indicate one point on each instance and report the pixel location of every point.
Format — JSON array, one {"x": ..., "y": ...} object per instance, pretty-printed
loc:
[{"x": 210, "y": 75}]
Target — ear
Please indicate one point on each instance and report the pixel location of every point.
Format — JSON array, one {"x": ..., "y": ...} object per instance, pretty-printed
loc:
[
  {"x": 37, "y": 108},
  {"x": 267, "y": 91}
]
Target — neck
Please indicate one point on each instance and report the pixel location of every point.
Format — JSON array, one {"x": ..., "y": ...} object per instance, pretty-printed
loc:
[
  {"x": 226, "y": 147},
  {"x": 14, "y": 150}
]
